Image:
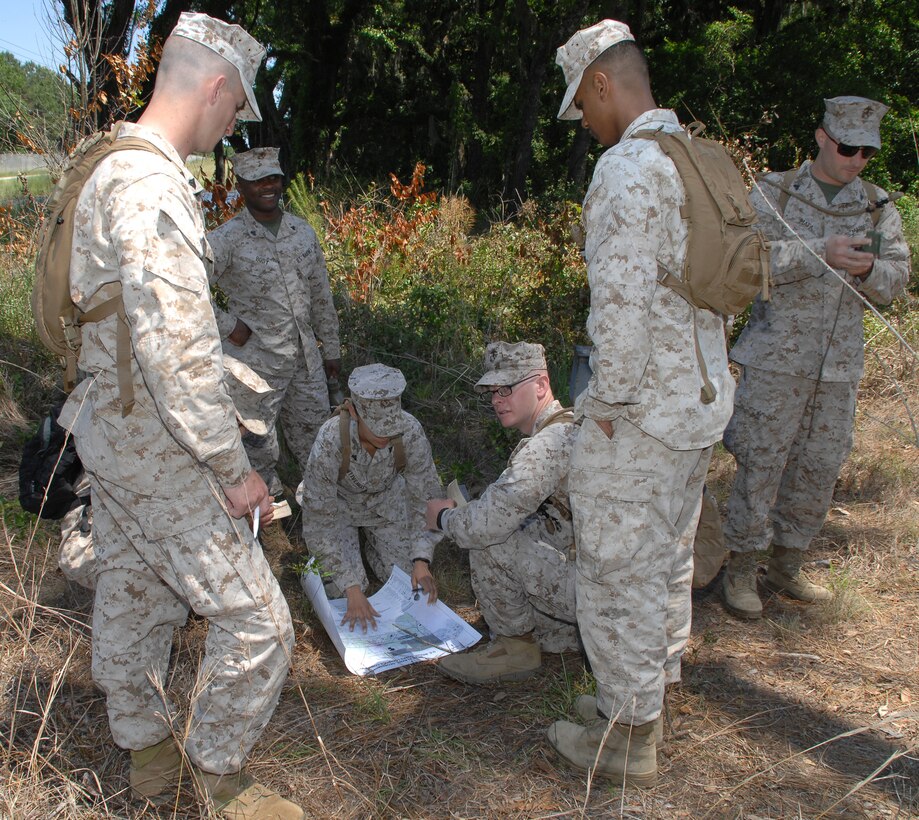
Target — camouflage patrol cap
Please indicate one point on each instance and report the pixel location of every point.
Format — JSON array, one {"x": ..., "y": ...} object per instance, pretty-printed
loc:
[
  {"x": 507, "y": 363},
  {"x": 375, "y": 393},
  {"x": 234, "y": 44},
  {"x": 580, "y": 51},
  {"x": 257, "y": 164},
  {"x": 854, "y": 120}
]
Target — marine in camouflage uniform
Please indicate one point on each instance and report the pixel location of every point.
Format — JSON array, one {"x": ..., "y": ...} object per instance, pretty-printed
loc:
[
  {"x": 639, "y": 463},
  {"x": 269, "y": 265},
  {"x": 170, "y": 477},
  {"x": 802, "y": 351},
  {"x": 353, "y": 486},
  {"x": 519, "y": 532}
]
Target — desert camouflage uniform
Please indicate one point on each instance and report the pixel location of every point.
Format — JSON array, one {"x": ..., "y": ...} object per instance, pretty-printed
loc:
[
  {"x": 163, "y": 539},
  {"x": 802, "y": 353},
  {"x": 388, "y": 506},
  {"x": 636, "y": 497},
  {"x": 279, "y": 286},
  {"x": 521, "y": 539}
]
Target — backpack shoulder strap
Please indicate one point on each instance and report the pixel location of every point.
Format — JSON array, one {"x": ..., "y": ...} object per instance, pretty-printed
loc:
[
  {"x": 344, "y": 429},
  {"x": 559, "y": 417},
  {"x": 785, "y": 189},
  {"x": 874, "y": 208},
  {"x": 398, "y": 447},
  {"x": 71, "y": 319}
]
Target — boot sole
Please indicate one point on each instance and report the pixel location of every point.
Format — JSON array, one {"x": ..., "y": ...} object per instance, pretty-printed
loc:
[
  {"x": 643, "y": 781},
  {"x": 507, "y": 677}
]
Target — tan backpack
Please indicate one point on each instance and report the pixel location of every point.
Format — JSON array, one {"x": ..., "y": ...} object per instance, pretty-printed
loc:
[
  {"x": 727, "y": 258},
  {"x": 57, "y": 319}
]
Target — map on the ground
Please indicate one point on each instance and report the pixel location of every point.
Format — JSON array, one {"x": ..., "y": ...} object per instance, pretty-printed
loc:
[{"x": 408, "y": 630}]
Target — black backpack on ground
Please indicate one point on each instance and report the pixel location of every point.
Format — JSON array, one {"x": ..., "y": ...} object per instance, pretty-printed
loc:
[{"x": 50, "y": 466}]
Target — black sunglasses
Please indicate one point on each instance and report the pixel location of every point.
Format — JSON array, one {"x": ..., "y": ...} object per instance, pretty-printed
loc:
[{"x": 844, "y": 150}]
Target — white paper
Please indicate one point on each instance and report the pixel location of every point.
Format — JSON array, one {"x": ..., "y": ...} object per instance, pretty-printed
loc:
[{"x": 408, "y": 631}]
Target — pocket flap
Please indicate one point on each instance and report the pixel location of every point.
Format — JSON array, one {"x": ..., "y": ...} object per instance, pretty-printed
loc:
[{"x": 634, "y": 487}]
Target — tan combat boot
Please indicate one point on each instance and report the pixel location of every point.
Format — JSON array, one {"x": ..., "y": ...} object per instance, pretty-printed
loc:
[
  {"x": 585, "y": 707},
  {"x": 739, "y": 586},
  {"x": 156, "y": 770},
  {"x": 628, "y": 756},
  {"x": 504, "y": 659},
  {"x": 238, "y": 796},
  {"x": 784, "y": 575}
]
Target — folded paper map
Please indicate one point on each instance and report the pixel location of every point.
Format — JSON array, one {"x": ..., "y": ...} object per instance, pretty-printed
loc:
[{"x": 408, "y": 631}]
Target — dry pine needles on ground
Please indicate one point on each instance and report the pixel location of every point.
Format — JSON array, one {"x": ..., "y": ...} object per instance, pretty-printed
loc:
[{"x": 811, "y": 712}]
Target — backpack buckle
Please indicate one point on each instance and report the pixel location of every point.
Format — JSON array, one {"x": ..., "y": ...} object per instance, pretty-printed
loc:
[{"x": 71, "y": 333}]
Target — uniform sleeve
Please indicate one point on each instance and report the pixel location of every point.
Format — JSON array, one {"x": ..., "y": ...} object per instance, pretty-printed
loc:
[
  {"x": 791, "y": 257},
  {"x": 161, "y": 249},
  {"x": 323, "y": 318},
  {"x": 535, "y": 472},
  {"x": 619, "y": 217},
  {"x": 890, "y": 273},
  {"x": 221, "y": 244},
  {"x": 421, "y": 483}
]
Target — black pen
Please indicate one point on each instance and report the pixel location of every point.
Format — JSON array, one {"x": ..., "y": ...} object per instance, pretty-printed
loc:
[{"x": 416, "y": 591}]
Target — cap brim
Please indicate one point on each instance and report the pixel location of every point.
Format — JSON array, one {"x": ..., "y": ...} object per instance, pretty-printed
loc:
[
  {"x": 249, "y": 112},
  {"x": 568, "y": 111},
  {"x": 502, "y": 378},
  {"x": 385, "y": 428},
  {"x": 273, "y": 170}
]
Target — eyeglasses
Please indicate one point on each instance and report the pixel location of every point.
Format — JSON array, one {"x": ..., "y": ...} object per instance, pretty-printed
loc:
[
  {"x": 844, "y": 150},
  {"x": 506, "y": 389}
]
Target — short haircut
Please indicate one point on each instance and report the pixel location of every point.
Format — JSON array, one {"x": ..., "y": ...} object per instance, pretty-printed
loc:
[
  {"x": 186, "y": 63},
  {"x": 626, "y": 61}
]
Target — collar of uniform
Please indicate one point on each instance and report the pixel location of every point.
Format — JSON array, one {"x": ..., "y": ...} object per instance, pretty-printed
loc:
[
  {"x": 652, "y": 120},
  {"x": 133, "y": 129},
  {"x": 256, "y": 228},
  {"x": 805, "y": 185},
  {"x": 550, "y": 409}
]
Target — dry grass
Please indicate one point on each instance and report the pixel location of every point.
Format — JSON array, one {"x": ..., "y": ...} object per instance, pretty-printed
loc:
[{"x": 811, "y": 712}]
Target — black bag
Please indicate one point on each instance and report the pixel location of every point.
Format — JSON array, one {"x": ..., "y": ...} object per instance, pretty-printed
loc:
[{"x": 49, "y": 463}]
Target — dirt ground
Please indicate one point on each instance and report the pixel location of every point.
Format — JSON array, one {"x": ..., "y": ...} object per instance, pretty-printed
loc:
[{"x": 808, "y": 713}]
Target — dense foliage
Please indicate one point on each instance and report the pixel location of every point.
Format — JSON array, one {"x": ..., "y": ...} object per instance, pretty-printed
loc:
[{"x": 469, "y": 88}]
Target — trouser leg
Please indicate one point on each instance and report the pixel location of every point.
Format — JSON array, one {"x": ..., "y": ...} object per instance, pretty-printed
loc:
[
  {"x": 263, "y": 451},
  {"x": 823, "y": 443},
  {"x": 134, "y": 615},
  {"x": 679, "y": 585},
  {"x": 633, "y": 502},
  {"x": 247, "y": 657},
  {"x": 768, "y": 409},
  {"x": 304, "y": 410},
  {"x": 524, "y": 585},
  {"x": 145, "y": 587},
  {"x": 388, "y": 544}
]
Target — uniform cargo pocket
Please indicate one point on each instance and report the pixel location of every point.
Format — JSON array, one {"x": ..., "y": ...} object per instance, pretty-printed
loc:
[{"x": 611, "y": 518}]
